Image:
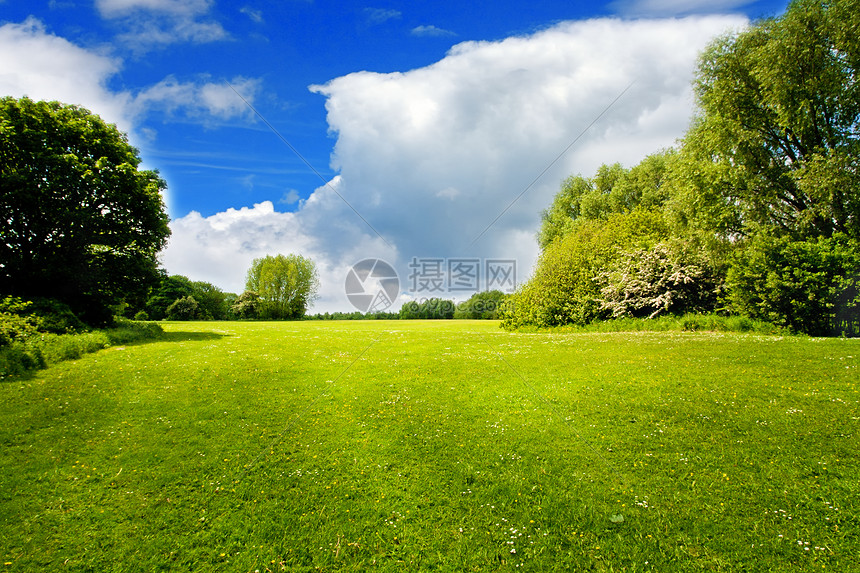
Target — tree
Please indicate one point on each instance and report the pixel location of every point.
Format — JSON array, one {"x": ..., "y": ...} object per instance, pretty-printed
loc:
[
  {"x": 780, "y": 109},
  {"x": 808, "y": 286},
  {"x": 247, "y": 305},
  {"x": 287, "y": 285},
  {"x": 484, "y": 305},
  {"x": 613, "y": 189},
  {"x": 184, "y": 309},
  {"x": 81, "y": 223}
]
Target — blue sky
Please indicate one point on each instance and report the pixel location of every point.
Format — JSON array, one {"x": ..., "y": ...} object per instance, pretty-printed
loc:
[{"x": 421, "y": 121}]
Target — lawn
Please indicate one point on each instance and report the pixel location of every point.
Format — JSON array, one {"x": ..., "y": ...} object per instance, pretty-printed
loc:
[{"x": 446, "y": 445}]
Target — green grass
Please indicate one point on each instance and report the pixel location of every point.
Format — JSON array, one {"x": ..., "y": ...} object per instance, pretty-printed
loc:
[{"x": 446, "y": 445}]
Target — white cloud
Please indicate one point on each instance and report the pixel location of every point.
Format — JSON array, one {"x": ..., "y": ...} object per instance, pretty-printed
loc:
[
  {"x": 431, "y": 31},
  {"x": 430, "y": 157},
  {"x": 651, "y": 8},
  {"x": 380, "y": 15},
  {"x": 198, "y": 99},
  {"x": 154, "y": 23},
  {"x": 38, "y": 64},
  {"x": 43, "y": 66},
  {"x": 256, "y": 16},
  {"x": 120, "y": 8}
]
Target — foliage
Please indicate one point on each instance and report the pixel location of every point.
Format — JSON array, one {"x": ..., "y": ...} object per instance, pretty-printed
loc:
[
  {"x": 211, "y": 300},
  {"x": 780, "y": 106},
  {"x": 668, "y": 278},
  {"x": 564, "y": 287},
  {"x": 170, "y": 289},
  {"x": 612, "y": 190},
  {"x": 185, "y": 308},
  {"x": 82, "y": 224},
  {"x": 286, "y": 285},
  {"x": 55, "y": 317},
  {"x": 16, "y": 323},
  {"x": 248, "y": 305},
  {"x": 37, "y": 350},
  {"x": 356, "y": 315},
  {"x": 484, "y": 305},
  {"x": 808, "y": 286},
  {"x": 433, "y": 309}
]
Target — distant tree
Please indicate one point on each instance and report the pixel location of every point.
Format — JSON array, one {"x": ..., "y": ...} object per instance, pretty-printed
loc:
[
  {"x": 81, "y": 222},
  {"x": 184, "y": 309},
  {"x": 287, "y": 285},
  {"x": 170, "y": 289},
  {"x": 430, "y": 309},
  {"x": 212, "y": 300},
  {"x": 484, "y": 305}
]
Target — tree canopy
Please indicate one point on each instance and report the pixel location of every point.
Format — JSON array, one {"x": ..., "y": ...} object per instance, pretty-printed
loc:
[
  {"x": 780, "y": 118},
  {"x": 286, "y": 285},
  {"x": 81, "y": 222},
  {"x": 756, "y": 213}
]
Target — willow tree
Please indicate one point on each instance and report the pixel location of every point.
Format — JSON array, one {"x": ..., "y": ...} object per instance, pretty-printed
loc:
[{"x": 286, "y": 285}]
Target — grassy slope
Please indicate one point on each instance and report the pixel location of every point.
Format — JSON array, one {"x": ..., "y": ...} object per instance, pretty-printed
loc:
[{"x": 449, "y": 445}]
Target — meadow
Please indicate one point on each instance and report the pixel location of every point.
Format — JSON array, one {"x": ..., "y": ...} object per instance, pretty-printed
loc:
[{"x": 434, "y": 445}]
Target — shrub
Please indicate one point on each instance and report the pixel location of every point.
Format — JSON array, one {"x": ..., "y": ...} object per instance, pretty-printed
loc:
[
  {"x": 185, "y": 308},
  {"x": 807, "y": 286},
  {"x": 15, "y": 323},
  {"x": 666, "y": 279}
]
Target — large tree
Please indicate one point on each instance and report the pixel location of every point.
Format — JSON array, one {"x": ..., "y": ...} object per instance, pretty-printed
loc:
[
  {"x": 81, "y": 223},
  {"x": 780, "y": 122},
  {"x": 286, "y": 285}
]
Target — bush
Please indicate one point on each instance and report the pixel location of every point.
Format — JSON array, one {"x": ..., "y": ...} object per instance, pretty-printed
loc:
[
  {"x": 15, "y": 324},
  {"x": 141, "y": 315},
  {"x": 807, "y": 286},
  {"x": 42, "y": 349},
  {"x": 669, "y": 278},
  {"x": 185, "y": 308},
  {"x": 564, "y": 289},
  {"x": 55, "y": 317}
]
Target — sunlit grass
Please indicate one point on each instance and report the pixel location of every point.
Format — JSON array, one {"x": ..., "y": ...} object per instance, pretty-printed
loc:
[{"x": 446, "y": 445}]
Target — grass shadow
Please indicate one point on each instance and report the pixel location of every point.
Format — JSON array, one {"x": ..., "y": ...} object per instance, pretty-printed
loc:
[{"x": 183, "y": 336}]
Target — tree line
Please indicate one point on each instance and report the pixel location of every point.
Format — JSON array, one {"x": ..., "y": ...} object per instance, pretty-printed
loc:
[{"x": 755, "y": 212}]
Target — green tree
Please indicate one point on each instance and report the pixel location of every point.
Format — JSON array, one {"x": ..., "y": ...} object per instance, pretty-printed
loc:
[
  {"x": 612, "y": 190},
  {"x": 185, "y": 308},
  {"x": 780, "y": 109},
  {"x": 808, "y": 286},
  {"x": 286, "y": 285},
  {"x": 484, "y": 305},
  {"x": 81, "y": 222},
  {"x": 171, "y": 289},
  {"x": 247, "y": 305}
]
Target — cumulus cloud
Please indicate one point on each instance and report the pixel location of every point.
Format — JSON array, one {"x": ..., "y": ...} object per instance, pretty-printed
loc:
[
  {"x": 38, "y": 64},
  {"x": 430, "y": 157}
]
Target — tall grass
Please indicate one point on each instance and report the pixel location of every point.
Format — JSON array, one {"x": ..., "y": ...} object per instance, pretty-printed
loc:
[
  {"x": 684, "y": 323},
  {"x": 43, "y": 349}
]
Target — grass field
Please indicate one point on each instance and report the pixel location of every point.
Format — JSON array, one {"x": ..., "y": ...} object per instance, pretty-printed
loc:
[{"x": 447, "y": 445}]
